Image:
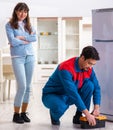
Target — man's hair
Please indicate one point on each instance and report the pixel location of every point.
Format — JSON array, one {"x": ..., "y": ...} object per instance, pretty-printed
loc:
[{"x": 89, "y": 52}]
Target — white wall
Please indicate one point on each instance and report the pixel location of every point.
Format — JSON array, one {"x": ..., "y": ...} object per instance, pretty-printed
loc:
[
  {"x": 57, "y": 7},
  {"x": 52, "y": 8}
]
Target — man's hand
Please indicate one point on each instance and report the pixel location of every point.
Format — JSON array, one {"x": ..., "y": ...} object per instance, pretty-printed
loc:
[
  {"x": 90, "y": 118},
  {"x": 96, "y": 111}
]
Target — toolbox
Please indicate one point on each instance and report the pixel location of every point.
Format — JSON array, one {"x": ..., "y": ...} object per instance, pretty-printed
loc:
[{"x": 100, "y": 122}]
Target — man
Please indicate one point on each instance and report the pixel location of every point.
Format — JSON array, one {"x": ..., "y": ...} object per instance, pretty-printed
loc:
[{"x": 74, "y": 82}]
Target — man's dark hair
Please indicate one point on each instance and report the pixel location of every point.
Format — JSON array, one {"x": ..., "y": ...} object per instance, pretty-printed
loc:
[{"x": 89, "y": 52}]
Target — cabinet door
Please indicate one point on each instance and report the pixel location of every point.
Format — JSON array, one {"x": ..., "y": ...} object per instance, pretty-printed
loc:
[
  {"x": 47, "y": 40},
  {"x": 71, "y": 31},
  {"x": 87, "y": 31}
]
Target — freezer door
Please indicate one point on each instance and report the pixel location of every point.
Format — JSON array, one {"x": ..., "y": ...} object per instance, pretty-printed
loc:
[{"x": 102, "y": 23}]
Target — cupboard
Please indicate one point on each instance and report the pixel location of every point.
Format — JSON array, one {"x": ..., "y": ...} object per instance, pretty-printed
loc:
[
  {"x": 59, "y": 38},
  {"x": 71, "y": 34}
]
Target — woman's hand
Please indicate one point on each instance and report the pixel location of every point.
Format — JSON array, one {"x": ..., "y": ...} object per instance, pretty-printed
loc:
[{"x": 22, "y": 38}]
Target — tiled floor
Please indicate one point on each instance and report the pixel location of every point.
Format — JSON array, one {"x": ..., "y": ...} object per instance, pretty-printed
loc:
[{"x": 39, "y": 115}]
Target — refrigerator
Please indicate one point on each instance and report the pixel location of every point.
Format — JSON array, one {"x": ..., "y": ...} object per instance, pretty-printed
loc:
[{"x": 102, "y": 38}]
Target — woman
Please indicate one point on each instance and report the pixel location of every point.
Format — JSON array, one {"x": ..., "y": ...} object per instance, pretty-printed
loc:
[{"x": 21, "y": 35}]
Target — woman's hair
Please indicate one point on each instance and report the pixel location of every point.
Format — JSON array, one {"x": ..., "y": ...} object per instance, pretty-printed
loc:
[
  {"x": 89, "y": 52},
  {"x": 14, "y": 19}
]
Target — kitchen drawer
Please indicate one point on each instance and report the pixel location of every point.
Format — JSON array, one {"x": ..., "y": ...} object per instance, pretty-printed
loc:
[{"x": 44, "y": 71}]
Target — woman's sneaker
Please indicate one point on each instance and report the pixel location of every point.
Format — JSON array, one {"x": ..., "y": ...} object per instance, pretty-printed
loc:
[
  {"x": 25, "y": 117},
  {"x": 17, "y": 118}
]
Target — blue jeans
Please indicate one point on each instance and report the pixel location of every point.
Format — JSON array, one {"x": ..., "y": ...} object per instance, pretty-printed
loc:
[{"x": 23, "y": 69}]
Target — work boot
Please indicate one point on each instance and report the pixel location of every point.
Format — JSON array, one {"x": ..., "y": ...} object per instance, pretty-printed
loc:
[
  {"x": 54, "y": 122},
  {"x": 76, "y": 118}
]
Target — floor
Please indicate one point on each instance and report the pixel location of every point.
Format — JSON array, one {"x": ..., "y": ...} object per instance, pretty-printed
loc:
[{"x": 39, "y": 115}]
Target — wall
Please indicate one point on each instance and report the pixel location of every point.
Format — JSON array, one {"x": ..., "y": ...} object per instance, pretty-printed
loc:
[{"x": 58, "y": 7}]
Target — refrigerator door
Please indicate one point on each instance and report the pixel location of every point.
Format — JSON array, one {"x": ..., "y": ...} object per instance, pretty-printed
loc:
[{"x": 102, "y": 27}]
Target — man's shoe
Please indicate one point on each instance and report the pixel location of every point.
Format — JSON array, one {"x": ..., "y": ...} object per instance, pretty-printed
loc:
[
  {"x": 17, "y": 118},
  {"x": 24, "y": 117},
  {"x": 76, "y": 118},
  {"x": 54, "y": 122}
]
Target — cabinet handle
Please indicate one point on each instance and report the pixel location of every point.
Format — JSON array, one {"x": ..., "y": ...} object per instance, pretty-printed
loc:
[
  {"x": 45, "y": 76},
  {"x": 47, "y": 68}
]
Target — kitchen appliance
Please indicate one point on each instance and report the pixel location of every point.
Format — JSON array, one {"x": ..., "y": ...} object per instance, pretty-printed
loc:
[{"x": 102, "y": 36}]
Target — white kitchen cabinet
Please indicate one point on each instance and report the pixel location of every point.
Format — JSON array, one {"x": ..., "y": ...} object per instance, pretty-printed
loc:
[
  {"x": 48, "y": 40},
  {"x": 72, "y": 35},
  {"x": 58, "y": 39},
  {"x": 86, "y": 31},
  {"x": 48, "y": 46}
]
